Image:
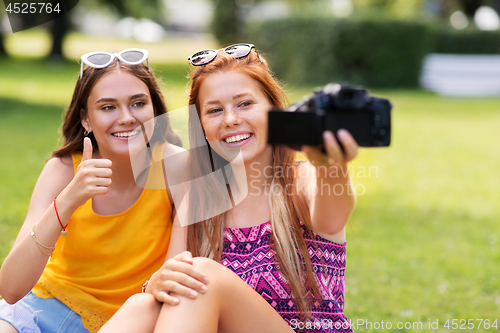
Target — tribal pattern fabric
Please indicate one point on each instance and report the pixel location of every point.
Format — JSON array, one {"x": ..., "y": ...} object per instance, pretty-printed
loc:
[{"x": 247, "y": 253}]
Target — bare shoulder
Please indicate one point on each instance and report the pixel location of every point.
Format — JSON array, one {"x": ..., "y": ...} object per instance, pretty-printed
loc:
[
  {"x": 170, "y": 149},
  {"x": 56, "y": 175},
  {"x": 175, "y": 158},
  {"x": 60, "y": 168},
  {"x": 305, "y": 172}
]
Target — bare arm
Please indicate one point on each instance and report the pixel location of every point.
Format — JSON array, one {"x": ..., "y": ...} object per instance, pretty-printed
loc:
[
  {"x": 327, "y": 186},
  {"x": 177, "y": 275},
  {"x": 25, "y": 263}
]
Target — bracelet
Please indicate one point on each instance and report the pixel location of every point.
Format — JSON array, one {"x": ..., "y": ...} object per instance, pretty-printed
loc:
[
  {"x": 46, "y": 247},
  {"x": 144, "y": 286},
  {"x": 64, "y": 232}
]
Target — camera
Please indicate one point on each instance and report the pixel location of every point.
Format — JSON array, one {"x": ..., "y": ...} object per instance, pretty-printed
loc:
[{"x": 333, "y": 107}]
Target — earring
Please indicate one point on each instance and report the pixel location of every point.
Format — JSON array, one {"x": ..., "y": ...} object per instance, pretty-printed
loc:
[{"x": 85, "y": 132}]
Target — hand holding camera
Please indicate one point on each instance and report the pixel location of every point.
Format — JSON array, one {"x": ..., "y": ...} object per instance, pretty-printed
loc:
[{"x": 331, "y": 108}]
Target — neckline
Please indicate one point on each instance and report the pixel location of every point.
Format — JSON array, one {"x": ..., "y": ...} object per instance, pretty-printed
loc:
[
  {"x": 117, "y": 214},
  {"x": 251, "y": 227}
]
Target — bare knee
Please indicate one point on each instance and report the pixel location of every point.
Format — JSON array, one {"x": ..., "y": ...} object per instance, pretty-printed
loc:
[
  {"x": 138, "y": 314},
  {"x": 5, "y": 327},
  {"x": 218, "y": 275},
  {"x": 141, "y": 303},
  {"x": 209, "y": 267}
]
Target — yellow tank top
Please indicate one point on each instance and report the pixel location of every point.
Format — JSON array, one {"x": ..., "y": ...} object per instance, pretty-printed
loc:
[{"x": 103, "y": 260}]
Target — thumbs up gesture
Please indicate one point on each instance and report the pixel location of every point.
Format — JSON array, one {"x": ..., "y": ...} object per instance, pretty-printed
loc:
[
  {"x": 92, "y": 177},
  {"x": 87, "y": 149}
]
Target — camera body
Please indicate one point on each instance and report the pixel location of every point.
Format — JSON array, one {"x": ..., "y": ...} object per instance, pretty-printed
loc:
[{"x": 333, "y": 107}]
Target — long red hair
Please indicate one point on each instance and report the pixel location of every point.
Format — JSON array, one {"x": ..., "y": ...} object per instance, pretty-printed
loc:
[{"x": 287, "y": 209}]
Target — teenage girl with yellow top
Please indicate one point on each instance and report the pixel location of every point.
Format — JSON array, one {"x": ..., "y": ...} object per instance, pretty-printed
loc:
[{"x": 92, "y": 235}]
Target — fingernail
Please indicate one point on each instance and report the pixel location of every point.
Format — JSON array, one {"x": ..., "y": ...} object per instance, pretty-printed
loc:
[
  {"x": 205, "y": 279},
  {"x": 328, "y": 133},
  {"x": 193, "y": 294},
  {"x": 203, "y": 288},
  {"x": 175, "y": 300},
  {"x": 342, "y": 133}
]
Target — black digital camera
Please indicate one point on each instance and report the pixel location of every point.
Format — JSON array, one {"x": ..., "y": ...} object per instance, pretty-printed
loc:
[{"x": 333, "y": 107}]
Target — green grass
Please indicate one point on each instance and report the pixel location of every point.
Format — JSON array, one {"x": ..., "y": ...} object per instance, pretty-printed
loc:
[
  {"x": 426, "y": 243},
  {"x": 426, "y": 228}
]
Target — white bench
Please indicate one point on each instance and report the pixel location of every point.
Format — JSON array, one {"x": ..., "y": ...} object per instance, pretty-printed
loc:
[{"x": 461, "y": 75}]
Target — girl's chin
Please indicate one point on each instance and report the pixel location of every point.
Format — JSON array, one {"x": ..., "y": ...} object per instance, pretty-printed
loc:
[{"x": 262, "y": 159}]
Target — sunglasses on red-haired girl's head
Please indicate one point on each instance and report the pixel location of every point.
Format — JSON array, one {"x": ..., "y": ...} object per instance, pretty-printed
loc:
[{"x": 236, "y": 51}]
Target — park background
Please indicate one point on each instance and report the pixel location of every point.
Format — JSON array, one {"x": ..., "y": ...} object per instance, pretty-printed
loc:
[{"x": 423, "y": 242}]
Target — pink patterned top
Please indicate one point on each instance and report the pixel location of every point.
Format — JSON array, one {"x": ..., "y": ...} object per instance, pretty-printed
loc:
[{"x": 247, "y": 253}]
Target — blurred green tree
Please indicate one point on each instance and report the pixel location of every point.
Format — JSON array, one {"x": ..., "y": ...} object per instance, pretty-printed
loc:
[
  {"x": 135, "y": 8},
  {"x": 59, "y": 27},
  {"x": 152, "y": 9},
  {"x": 408, "y": 8},
  {"x": 227, "y": 23},
  {"x": 2, "y": 48},
  {"x": 470, "y": 6},
  {"x": 393, "y": 8},
  {"x": 2, "y": 17}
]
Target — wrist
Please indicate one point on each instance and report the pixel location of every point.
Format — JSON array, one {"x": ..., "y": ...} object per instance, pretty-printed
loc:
[
  {"x": 63, "y": 210},
  {"x": 66, "y": 206}
]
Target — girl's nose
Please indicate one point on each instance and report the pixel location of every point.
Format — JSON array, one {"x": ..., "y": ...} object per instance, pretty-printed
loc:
[
  {"x": 126, "y": 117},
  {"x": 231, "y": 117}
]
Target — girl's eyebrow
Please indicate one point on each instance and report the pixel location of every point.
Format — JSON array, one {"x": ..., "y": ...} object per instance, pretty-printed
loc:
[
  {"x": 140, "y": 95},
  {"x": 212, "y": 102},
  {"x": 241, "y": 95},
  {"x": 105, "y": 100},
  {"x": 110, "y": 100}
]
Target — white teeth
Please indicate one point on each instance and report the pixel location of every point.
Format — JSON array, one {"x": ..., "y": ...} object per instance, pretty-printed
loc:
[
  {"x": 237, "y": 138},
  {"x": 126, "y": 134}
]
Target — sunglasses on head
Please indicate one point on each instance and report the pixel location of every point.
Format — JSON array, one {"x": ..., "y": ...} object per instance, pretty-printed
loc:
[
  {"x": 104, "y": 59},
  {"x": 236, "y": 51}
]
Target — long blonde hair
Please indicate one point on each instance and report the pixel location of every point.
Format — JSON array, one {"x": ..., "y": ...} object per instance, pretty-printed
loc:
[{"x": 287, "y": 209}]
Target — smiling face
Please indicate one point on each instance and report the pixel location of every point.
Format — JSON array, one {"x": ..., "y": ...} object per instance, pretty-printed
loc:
[
  {"x": 233, "y": 113},
  {"x": 117, "y": 107}
]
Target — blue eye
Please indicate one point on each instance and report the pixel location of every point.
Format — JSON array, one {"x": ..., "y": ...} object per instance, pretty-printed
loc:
[
  {"x": 214, "y": 110},
  {"x": 244, "y": 104}
]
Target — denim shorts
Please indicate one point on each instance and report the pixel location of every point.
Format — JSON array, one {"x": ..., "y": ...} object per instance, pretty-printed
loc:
[{"x": 33, "y": 314}]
